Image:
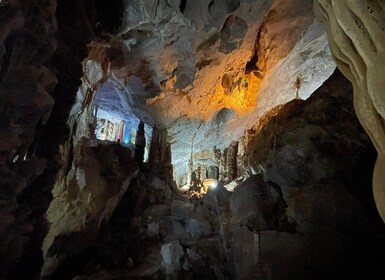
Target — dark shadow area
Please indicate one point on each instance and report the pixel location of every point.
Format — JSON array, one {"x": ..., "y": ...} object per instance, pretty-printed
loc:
[
  {"x": 182, "y": 5},
  {"x": 109, "y": 15}
]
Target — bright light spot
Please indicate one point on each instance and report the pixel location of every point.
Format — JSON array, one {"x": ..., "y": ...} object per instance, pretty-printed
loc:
[
  {"x": 15, "y": 158},
  {"x": 213, "y": 184},
  {"x": 126, "y": 134}
]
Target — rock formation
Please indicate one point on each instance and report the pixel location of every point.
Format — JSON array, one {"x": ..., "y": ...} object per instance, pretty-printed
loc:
[
  {"x": 111, "y": 110},
  {"x": 263, "y": 229},
  {"x": 32, "y": 127},
  {"x": 356, "y": 36}
]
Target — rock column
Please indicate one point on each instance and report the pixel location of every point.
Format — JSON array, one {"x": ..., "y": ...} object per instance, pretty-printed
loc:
[
  {"x": 356, "y": 31},
  {"x": 140, "y": 144},
  {"x": 232, "y": 169}
]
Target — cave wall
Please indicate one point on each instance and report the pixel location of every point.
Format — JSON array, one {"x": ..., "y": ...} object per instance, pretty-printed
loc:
[
  {"x": 93, "y": 176},
  {"x": 39, "y": 76},
  {"x": 197, "y": 92},
  {"x": 319, "y": 155},
  {"x": 204, "y": 73},
  {"x": 356, "y": 37}
]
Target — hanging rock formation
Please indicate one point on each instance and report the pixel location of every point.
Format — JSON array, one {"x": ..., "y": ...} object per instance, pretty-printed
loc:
[{"x": 356, "y": 32}]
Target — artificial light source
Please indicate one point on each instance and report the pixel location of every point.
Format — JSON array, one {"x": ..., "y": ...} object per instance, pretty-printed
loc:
[
  {"x": 213, "y": 184},
  {"x": 209, "y": 183}
]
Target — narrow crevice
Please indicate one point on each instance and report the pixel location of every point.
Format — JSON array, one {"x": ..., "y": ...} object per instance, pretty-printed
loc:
[{"x": 182, "y": 6}]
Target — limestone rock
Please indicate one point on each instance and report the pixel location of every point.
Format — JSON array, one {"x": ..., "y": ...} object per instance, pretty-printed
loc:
[
  {"x": 181, "y": 210},
  {"x": 197, "y": 227},
  {"x": 156, "y": 213},
  {"x": 172, "y": 254},
  {"x": 361, "y": 25},
  {"x": 257, "y": 204},
  {"x": 309, "y": 140}
]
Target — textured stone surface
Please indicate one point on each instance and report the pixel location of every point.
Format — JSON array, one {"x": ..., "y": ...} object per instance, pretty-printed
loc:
[
  {"x": 32, "y": 79},
  {"x": 208, "y": 71},
  {"x": 306, "y": 147},
  {"x": 356, "y": 35},
  {"x": 200, "y": 73},
  {"x": 256, "y": 204}
]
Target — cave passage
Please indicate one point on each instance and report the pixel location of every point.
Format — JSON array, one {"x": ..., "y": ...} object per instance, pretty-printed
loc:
[
  {"x": 183, "y": 139},
  {"x": 115, "y": 120}
]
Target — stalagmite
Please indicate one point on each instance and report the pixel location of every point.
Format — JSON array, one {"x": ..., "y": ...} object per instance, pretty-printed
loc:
[
  {"x": 356, "y": 31},
  {"x": 223, "y": 166},
  {"x": 154, "y": 154},
  {"x": 140, "y": 144},
  {"x": 213, "y": 172},
  {"x": 232, "y": 161},
  {"x": 167, "y": 168},
  {"x": 203, "y": 173}
]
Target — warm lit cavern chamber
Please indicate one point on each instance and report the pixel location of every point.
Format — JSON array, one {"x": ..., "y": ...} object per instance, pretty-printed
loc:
[{"x": 181, "y": 139}]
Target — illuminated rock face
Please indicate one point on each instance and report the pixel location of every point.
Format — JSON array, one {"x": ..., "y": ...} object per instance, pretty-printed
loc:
[
  {"x": 207, "y": 71},
  {"x": 356, "y": 36},
  {"x": 220, "y": 65}
]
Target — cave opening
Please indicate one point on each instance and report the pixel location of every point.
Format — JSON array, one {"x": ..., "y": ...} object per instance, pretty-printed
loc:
[{"x": 116, "y": 121}]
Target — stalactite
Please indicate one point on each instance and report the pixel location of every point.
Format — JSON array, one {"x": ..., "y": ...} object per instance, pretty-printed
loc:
[
  {"x": 105, "y": 134},
  {"x": 213, "y": 172},
  {"x": 356, "y": 31},
  {"x": 198, "y": 172},
  {"x": 190, "y": 168},
  {"x": 241, "y": 169}
]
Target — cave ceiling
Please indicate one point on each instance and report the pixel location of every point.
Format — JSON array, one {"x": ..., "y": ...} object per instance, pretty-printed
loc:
[{"x": 208, "y": 70}]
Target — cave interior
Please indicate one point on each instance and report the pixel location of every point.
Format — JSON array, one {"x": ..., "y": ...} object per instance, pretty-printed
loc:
[{"x": 192, "y": 139}]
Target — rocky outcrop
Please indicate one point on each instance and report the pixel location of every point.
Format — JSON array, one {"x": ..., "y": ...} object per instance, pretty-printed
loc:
[
  {"x": 257, "y": 205},
  {"x": 282, "y": 155},
  {"x": 33, "y": 78},
  {"x": 85, "y": 198},
  {"x": 356, "y": 35},
  {"x": 310, "y": 150},
  {"x": 94, "y": 176}
]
